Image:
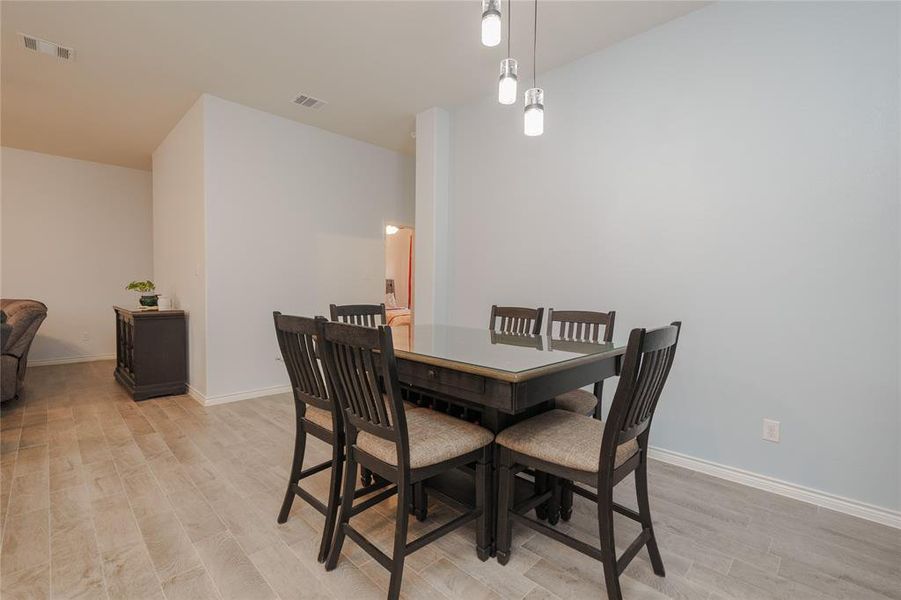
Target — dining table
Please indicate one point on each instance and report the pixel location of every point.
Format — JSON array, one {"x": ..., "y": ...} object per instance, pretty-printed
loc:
[{"x": 497, "y": 379}]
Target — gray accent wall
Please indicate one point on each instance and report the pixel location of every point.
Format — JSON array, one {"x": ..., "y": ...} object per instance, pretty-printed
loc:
[{"x": 737, "y": 169}]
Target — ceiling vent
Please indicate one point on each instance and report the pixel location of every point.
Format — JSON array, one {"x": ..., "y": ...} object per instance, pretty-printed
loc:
[
  {"x": 309, "y": 101},
  {"x": 44, "y": 47}
]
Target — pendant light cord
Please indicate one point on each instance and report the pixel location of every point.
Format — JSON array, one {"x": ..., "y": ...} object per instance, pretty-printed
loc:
[
  {"x": 509, "y": 11},
  {"x": 535, "y": 46}
]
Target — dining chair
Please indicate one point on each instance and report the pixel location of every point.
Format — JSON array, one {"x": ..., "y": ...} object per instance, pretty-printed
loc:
[
  {"x": 513, "y": 319},
  {"x": 316, "y": 415},
  {"x": 367, "y": 315},
  {"x": 578, "y": 448},
  {"x": 581, "y": 326},
  {"x": 403, "y": 447},
  {"x": 359, "y": 314}
]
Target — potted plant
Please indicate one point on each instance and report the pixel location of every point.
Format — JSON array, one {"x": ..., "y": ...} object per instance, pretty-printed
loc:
[{"x": 148, "y": 292}]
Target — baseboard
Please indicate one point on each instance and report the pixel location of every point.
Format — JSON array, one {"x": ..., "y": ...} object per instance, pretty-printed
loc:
[
  {"x": 870, "y": 512},
  {"x": 46, "y": 362},
  {"x": 235, "y": 397}
]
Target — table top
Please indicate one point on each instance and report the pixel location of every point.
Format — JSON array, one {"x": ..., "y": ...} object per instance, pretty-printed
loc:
[
  {"x": 504, "y": 356},
  {"x": 148, "y": 311}
]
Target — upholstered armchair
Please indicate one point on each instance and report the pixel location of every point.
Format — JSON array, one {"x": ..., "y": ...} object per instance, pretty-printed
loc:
[{"x": 23, "y": 318}]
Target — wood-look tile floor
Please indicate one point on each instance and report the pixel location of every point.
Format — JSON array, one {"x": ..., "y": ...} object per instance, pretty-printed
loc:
[{"x": 103, "y": 497}]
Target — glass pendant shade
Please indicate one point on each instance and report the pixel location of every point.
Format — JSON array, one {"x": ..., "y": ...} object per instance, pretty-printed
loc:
[
  {"x": 506, "y": 87},
  {"x": 533, "y": 121},
  {"x": 491, "y": 23}
]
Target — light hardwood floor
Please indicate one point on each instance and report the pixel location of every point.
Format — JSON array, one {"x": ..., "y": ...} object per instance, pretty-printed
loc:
[{"x": 103, "y": 497}]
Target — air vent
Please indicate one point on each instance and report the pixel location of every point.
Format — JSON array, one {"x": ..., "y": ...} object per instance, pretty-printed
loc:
[
  {"x": 36, "y": 44},
  {"x": 309, "y": 101}
]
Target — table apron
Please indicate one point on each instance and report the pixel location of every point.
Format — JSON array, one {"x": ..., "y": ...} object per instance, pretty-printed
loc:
[{"x": 503, "y": 396}]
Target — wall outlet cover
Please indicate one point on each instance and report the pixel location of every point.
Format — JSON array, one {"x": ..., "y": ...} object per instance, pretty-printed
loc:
[{"x": 771, "y": 430}]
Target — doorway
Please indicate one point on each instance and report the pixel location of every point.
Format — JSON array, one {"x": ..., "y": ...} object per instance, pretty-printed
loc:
[{"x": 399, "y": 274}]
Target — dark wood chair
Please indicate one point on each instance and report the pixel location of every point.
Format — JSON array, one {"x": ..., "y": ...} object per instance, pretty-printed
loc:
[
  {"x": 367, "y": 315},
  {"x": 403, "y": 447},
  {"x": 316, "y": 415},
  {"x": 513, "y": 319},
  {"x": 577, "y": 448},
  {"x": 581, "y": 326},
  {"x": 576, "y": 326}
]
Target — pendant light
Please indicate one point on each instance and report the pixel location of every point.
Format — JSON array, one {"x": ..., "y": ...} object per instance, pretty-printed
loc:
[
  {"x": 533, "y": 119},
  {"x": 506, "y": 86},
  {"x": 491, "y": 23}
]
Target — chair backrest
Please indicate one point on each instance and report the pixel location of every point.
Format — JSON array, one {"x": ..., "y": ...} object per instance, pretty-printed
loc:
[
  {"x": 645, "y": 368},
  {"x": 513, "y": 319},
  {"x": 364, "y": 379},
  {"x": 359, "y": 314},
  {"x": 298, "y": 340},
  {"x": 580, "y": 325}
]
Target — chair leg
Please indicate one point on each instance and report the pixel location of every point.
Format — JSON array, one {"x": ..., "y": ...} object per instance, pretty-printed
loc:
[
  {"x": 608, "y": 545},
  {"x": 334, "y": 497},
  {"x": 300, "y": 442},
  {"x": 347, "y": 501},
  {"x": 400, "y": 541},
  {"x": 504, "y": 504},
  {"x": 644, "y": 510},
  {"x": 483, "y": 483}
]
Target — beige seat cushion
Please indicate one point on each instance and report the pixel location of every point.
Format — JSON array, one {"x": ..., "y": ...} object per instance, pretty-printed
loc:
[
  {"x": 434, "y": 437},
  {"x": 319, "y": 416},
  {"x": 563, "y": 438},
  {"x": 323, "y": 418},
  {"x": 577, "y": 401}
]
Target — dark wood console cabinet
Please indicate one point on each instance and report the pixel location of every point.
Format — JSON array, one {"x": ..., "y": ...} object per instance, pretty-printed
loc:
[{"x": 151, "y": 352}]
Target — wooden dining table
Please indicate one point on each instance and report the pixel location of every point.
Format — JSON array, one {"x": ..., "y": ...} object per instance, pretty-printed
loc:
[{"x": 501, "y": 378}]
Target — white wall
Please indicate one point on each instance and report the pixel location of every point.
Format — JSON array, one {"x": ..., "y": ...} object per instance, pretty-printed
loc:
[
  {"x": 74, "y": 234},
  {"x": 179, "y": 256},
  {"x": 295, "y": 220},
  {"x": 736, "y": 169},
  {"x": 432, "y": 201}
]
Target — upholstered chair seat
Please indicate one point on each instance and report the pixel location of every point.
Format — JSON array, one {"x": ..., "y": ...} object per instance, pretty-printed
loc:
[
  {"x": 323, "y": 418},
  {"x": 319, "y": 416},
  {"x": 434, "y": 437},
  {"x": 578, "y": 401},
  {"x": 563, "y": 438}
]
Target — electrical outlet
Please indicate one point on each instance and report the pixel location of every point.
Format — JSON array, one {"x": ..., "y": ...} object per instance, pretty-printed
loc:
[
  {"x": 771, "y": 430},
  {"x": 85, "y": 336}
]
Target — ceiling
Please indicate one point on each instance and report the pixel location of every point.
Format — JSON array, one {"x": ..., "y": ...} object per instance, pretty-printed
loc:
[{"x": 139, "y": 65}]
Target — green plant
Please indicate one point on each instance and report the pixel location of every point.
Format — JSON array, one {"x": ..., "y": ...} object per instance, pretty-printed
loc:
[{"x": 145, "y": 287}]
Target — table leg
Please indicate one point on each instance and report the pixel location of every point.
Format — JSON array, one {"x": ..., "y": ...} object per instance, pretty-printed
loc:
[
  {"x": 495, "y": 421},
  {"x": 566, "y": 503},
  {"x": 553, "y": 505},
  {"x": 541, "y": 486}
]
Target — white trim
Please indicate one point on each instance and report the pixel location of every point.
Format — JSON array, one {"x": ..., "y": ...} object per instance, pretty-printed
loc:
[
  {"x": 46, "y": 362},
  {"x": 870, "y": 512},
  {"x": 196, "y": 395},
  {"x": 237, "y": 396}
]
